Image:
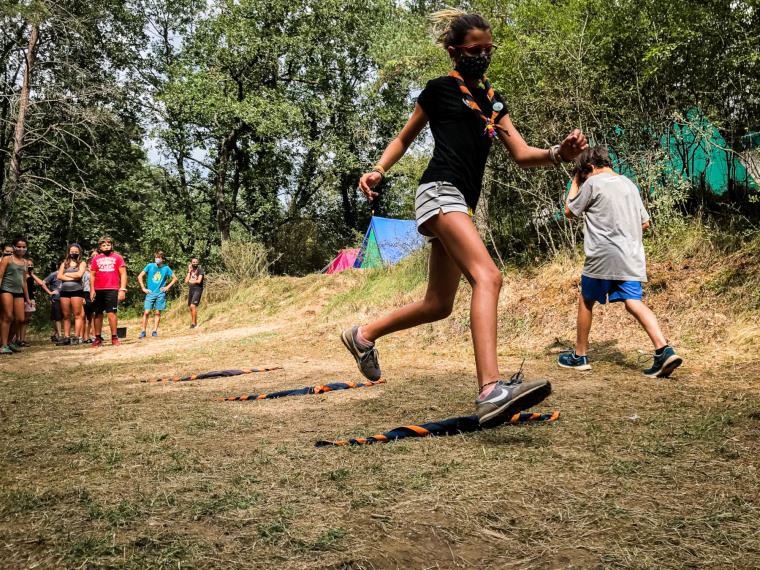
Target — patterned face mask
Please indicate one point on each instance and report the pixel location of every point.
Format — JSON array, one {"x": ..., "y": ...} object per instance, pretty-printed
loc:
[{"x": 473, "y": 66}]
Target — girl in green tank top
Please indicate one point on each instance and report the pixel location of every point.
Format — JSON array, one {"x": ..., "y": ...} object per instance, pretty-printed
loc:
[{"x": 13, "y": 294}]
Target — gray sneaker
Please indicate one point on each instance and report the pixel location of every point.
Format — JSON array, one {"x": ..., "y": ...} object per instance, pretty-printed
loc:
[
  {"x": 509, "y": 398},
  {"x": 365, "y": 358}
]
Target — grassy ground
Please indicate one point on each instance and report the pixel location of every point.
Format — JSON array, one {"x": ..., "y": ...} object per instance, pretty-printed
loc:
[{"x": 100, "y": 470}]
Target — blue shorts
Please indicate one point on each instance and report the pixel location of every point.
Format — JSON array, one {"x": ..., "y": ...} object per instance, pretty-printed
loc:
[
  {"x": 600, "y": 289},
  {"x": 155, "y": 301}
]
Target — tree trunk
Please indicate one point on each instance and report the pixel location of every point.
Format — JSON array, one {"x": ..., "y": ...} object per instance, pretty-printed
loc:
[
  {"x": 224, "y": 210},
  {"x": 9, "y": 196}
]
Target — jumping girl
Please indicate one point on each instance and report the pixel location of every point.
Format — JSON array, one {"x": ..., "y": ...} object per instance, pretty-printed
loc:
[
  {"x": 465, "y": 115},
  {"x": 71, "y": 274},
  {"x": 13, "y": 293}
]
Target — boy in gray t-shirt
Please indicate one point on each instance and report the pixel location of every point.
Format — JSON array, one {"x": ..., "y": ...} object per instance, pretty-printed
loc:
[{"x": 614, "y": 219}]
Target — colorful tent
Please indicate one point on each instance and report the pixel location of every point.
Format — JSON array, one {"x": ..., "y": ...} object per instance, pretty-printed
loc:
[
  {"x": 344, "y": 260},
  {"x": 387, "y": 242}
]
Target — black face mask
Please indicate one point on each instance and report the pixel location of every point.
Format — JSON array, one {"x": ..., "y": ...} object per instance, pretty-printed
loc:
[
  {"x": 195, "y": 266},
  {"x": 473, "y": 66},
  {"x": 74, "y": 255},
  {"x": 109, "y": 252},
  {"x": 7, "y": 253}
]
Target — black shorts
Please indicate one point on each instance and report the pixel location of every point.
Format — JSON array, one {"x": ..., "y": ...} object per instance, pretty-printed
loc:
[
  {"x": 70, "y": 294},
  {"x": 194, "y": 296},
  {"x": 56, "y": 314},
  {"x": 89, "y": 306},
  {"x": 106, "y": 301},
  {"x": 15, "y": 295}
]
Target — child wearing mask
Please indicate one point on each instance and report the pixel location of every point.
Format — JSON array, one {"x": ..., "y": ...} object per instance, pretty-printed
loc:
[
  {"x": 160, "y": 279},
  {"x": 108, "y": 287},
  {"x": 465, "y": 116}
]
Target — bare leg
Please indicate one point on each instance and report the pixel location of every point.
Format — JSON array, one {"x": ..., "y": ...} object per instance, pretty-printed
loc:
[
  {"x": 646, "y": 317},
  {"x": 6, "y": 316},
  {"x": 194, "y": 314},
  {"x": 461, "y": 241},
  {"x": 583, "y": 329},
  {"x": 77, "y": 307},
  {"x": 443, "y": 282},
  {"x": 18, "y": 310},
  {"x": 156, "y": 320},
  {"x": 112, "y": 322},
  {"x": 146, "y": 314},
  {"x": 66, "y": 311},
  {"x": 98, "y": 324}
]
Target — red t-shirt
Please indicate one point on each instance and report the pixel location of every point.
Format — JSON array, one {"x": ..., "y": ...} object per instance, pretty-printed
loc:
[{"x": 107, "y": 268}]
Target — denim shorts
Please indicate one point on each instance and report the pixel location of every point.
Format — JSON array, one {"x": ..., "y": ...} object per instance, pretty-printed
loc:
[
  {"x": 155, "y": 301},
  {"x": 600, "y": 290}
]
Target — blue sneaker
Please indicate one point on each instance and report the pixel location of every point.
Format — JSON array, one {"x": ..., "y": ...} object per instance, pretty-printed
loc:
[
  {"x": 142, "y": 334},
  {"x": 154, "y": 333},
  {"x": 664, "y": 364},
  {"x": 572, "y": 360}
]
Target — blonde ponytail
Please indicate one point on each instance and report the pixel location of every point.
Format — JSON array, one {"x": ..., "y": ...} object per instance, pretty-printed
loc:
[{"x": 450, "y": 26}]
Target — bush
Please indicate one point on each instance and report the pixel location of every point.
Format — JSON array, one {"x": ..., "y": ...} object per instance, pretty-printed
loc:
[{"x": 245, "y": 260}]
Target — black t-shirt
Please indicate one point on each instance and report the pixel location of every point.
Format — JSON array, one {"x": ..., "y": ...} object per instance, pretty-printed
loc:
[
  {"x": 195, "y": 273},
  {"x": 461, "y": 143}
]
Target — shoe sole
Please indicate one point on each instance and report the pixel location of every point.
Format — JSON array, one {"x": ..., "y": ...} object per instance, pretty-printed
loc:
[
  {"x": 348, "y": 343},
  {"x": 582, "y": 367},
  {"x": 667, "y": 368},
  {"x": 523, "y": 402}
]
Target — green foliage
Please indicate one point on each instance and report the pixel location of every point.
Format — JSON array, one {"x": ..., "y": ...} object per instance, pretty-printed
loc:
[{"x": 259, "y": 116}]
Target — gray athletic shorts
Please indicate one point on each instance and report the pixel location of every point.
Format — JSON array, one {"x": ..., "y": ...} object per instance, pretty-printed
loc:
[{"x": 434, "y": 198}]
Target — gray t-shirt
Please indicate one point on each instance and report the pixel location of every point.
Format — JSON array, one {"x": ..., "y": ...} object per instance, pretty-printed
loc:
[{"x": 613, "y": 235}]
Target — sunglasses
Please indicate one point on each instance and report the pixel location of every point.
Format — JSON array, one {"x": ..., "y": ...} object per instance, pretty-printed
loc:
[{"x": 477, "y": 49}]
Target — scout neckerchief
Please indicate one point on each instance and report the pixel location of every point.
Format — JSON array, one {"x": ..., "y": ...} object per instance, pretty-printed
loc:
[{"x": 490, "y": 129}]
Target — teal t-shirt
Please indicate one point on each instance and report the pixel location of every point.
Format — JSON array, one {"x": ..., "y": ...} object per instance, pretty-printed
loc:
[{"x": 157, "y": 277}]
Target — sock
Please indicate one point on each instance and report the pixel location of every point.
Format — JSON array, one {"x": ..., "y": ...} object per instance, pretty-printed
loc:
[
  {"x": 361, "y": 341},
  {"x": 485, "y": 391},
  {"x": 659, "y": 351},
  {"x": 113, "y": 336}
]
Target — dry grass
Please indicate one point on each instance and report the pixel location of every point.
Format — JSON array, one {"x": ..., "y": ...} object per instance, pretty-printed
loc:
[{"x": 99, "y": 470}]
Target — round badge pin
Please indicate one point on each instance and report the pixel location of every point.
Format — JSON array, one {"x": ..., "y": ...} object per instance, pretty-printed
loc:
[{"x": 498, "y": 107}]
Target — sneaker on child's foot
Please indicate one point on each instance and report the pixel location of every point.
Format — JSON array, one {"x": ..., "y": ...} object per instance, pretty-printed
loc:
[
  {"x": 5, "y": 350},
  {"x": 87, "y": 340},
  {"x": 142, "y": 334},
  {"x": 115, "y": 341},
  {"x": 508, "y": 398},
  {"x": 14, "y": 347},
  {"x": 366, "y": 358},
  {"x": 572, "y": 360},
  {"x": 193, "y": 326},
  {"x": 664, "y": 364},
  {"x": 98, "y": 342},
  {"x": 154, "y": 333},
  {"x": 64, "y": 341}
]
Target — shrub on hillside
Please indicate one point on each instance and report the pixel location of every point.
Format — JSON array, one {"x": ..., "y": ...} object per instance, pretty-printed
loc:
[{"x": 244, "y": 259}]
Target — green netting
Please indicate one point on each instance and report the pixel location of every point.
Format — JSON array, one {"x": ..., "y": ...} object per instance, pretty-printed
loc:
[
  {"x": 372, "y": 258},
  {"x": 698, "y": 152}
]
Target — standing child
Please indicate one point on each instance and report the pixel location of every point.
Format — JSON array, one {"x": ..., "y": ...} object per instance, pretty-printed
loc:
[
  {"x": 108, "y": 287},
  {"x": 158, "y": 274},
  {"x": 52, "y": 286},
  {"x": 615, "y": 265},
  {"x": 465, "y": 115},
  {"x": 194, "y": 279},
  {"x": 70, "y": 274},
  {"x": 13, "y": 294},
  {"x": 89, "y": 307}
]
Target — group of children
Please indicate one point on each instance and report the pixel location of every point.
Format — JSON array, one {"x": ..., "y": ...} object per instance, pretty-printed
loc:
[
  {"x": 465, "y": 116},
  {"x": 83, "y": 290}
]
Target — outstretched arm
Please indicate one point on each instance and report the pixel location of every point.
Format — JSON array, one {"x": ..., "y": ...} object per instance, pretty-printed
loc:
[
  {"x": 527, "y": 156},
  {"x": 394, "y": 151}
]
